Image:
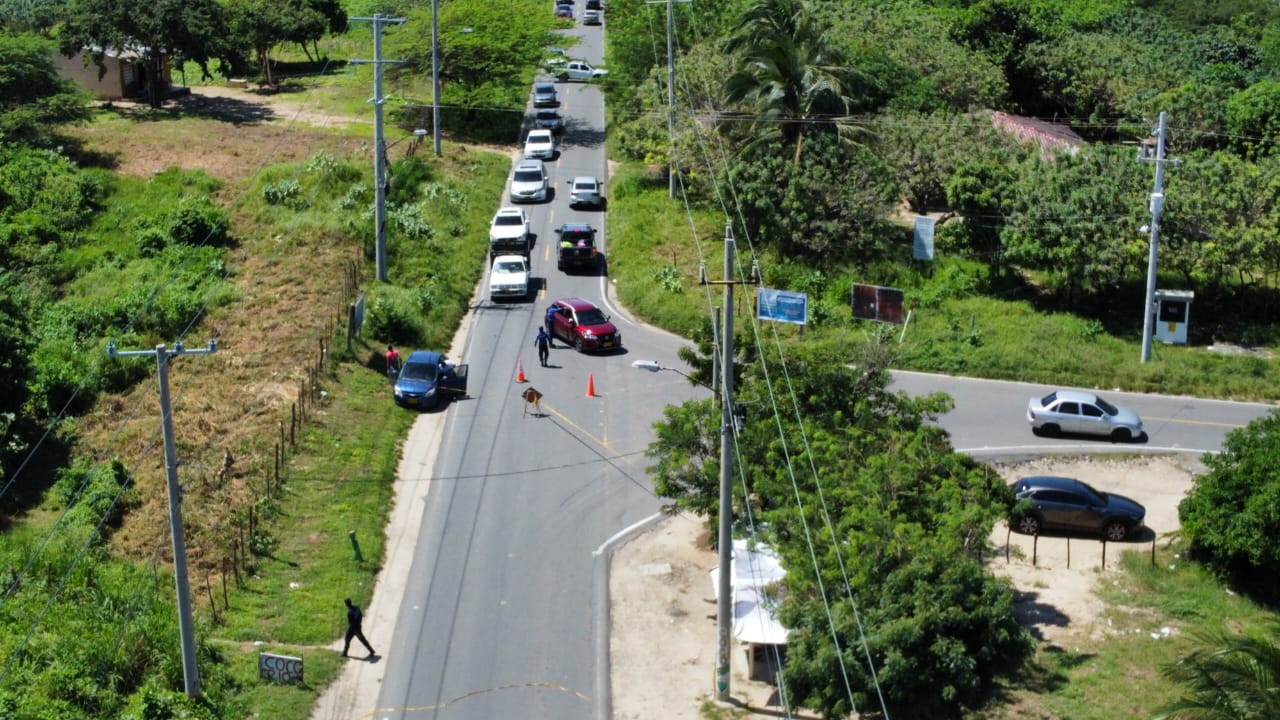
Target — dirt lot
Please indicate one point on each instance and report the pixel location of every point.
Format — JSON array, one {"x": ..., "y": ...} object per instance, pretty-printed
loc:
[{"x": 663, "y": 612}]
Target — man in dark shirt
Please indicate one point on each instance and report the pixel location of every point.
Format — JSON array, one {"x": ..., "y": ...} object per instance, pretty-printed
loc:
[
  {"x": 551, "y": 324},
  {"x": 542, "y": 341},
  {"x": 354, "y": 619}
]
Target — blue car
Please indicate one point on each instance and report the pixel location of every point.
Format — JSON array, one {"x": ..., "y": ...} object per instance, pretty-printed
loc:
[{"x": 427, "y": 380}]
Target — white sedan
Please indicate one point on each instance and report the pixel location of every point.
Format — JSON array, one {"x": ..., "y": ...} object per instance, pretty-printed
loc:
[
  {"x": 1082, "y": 413},
  {"x": 509, "y": 277},
  {"x": 540, "y": 144}
]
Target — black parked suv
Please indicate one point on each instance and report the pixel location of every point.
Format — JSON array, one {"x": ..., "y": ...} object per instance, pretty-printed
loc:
[
  {"x": 1059, "y": 503},
  {"x": 577, "y": 247}
]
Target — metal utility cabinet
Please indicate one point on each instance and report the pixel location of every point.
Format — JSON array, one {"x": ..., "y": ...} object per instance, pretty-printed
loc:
[{"x": 1173, "y": 314}]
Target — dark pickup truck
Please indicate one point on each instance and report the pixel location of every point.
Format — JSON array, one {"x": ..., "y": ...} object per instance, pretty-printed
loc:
[{"x": 577, "y": 247}]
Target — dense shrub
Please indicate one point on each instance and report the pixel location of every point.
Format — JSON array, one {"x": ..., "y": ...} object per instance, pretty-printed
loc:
[
  {"x": 395, "y": 315},
  {"x": 1230, "y": 513}
]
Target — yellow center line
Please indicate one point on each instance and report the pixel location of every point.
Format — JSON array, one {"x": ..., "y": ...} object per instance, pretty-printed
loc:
[{"x": 547, "y": 408}]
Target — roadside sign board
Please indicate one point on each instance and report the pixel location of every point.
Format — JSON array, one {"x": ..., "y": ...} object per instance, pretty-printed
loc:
[
  {"x": 782, "y": 306},
  {"x": 872, "y": 302}
]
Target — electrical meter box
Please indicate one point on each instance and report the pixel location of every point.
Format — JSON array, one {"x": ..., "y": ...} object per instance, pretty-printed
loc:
[{"x": 1173, "y": 313}]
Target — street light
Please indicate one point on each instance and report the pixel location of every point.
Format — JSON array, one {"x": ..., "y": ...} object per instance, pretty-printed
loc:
[{"x": 654, "y": 366}]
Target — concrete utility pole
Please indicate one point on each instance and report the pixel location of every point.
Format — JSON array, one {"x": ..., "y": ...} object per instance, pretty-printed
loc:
[
  {"x": 190, "y": 672},
  {"x": 379, "y": 144},
  {"x": 1157, "y": 205},
  {"x": 435, "y": 73},
  {"x": 728, "y": 420},
  {"x": 671, "y": 92}
]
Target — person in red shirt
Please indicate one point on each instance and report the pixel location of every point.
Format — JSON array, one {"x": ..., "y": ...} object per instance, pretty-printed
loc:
[{"x": 393, "y": 362}]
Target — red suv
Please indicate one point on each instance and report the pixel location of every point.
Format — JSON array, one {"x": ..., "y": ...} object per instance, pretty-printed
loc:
[{"x": 583, "y": 325}]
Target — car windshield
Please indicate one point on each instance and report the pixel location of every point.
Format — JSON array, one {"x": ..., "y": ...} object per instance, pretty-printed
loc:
[
  {"x": 1107, "y": 407},
  {"x": 584, "y": 186},
  {"x": 591, "y": 317},
  {"x": 578, "y": 237},
  {"x": 528, "y": 176},
  {"x": 509, "y": 266},
  {"x": 544, "y": 89},
  {"x": 508, "y": 220},
  {"x": 548, "y": 115},
  {"x": 418, "y": 371},
  {"x": 1047, "y": 400}
]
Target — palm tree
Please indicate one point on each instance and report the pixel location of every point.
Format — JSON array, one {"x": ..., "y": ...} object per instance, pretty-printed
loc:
[
  {"x": 1238, "y": 681},
  {"x": 791, "y": 77}
]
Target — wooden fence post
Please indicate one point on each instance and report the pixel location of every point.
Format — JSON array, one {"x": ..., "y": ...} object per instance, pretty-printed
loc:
[{"x": 213, "y": 607}]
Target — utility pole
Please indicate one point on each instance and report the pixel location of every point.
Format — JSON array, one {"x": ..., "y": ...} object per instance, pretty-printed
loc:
[
  {"x": 671, "y": 93},
  {"x": 190, "y": 672},
  {"x": 435, "y": 73},
  {"x": 724, "y": 589},
  {"x": 1157, "y": 205},
  {"x": 379, "y": 144}
]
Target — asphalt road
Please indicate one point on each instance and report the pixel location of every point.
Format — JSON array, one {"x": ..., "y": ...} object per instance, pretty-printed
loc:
[
  {"x": 501, "y": 609},
  {"x": 499, "y": 615},
  {"x": 989, "y": 418}
]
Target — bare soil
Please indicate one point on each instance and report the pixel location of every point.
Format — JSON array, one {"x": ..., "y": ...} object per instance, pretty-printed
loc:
[{"x": 663, "y": 621}]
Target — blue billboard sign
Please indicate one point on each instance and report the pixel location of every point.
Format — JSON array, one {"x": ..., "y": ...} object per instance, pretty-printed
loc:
[{"x": 782, "y": 306}]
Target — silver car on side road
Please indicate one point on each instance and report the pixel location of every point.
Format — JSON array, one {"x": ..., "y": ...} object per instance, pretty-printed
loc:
[{"x": 1080, "y": 412}]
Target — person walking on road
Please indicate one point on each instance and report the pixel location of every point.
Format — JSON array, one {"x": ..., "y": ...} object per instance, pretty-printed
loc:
[
  {"x": 551, "y": 325},
  {"x": 543, "y": 341},
  {"x": 354, "y": 619}
]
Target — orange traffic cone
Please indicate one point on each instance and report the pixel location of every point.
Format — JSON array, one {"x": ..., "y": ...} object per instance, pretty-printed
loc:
[
  {"x": 591, "y": 385},
  {"x": 520, "y": 370}
]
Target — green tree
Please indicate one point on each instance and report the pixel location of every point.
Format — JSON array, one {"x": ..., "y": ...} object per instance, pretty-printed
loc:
[
  {"x": 1076, "y": 219},
  {"x": 332, "y": 20},
  {"x": 194, "y": 30},
  {"x": 793, "y": 81},
  {"x": 34, "y": 100},
  {"x": 264, "y": 24},
  {"x": 826, "y": 204},
  {"x": 1229, "y": 516},
  {"x": 1253, "y": 118},
  {"x": 482, "y": 53},
  {"x": 1232, "y": 678},
  {"x": 1004, "y": 30},
  {"x": 980, "y": 191}
]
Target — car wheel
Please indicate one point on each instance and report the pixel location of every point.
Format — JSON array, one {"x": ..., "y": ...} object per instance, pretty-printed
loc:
[
  {"x": 1028, "y": 525},
  {"x": 577, "y": 344},
  {"x": 1115, "y": 531},
  {"x": 1050, "y": 430},
  {"x": 1121, "y": 435}
]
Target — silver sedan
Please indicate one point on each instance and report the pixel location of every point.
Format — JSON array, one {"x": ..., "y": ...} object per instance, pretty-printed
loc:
[{"x": 1076, "y": 411}]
